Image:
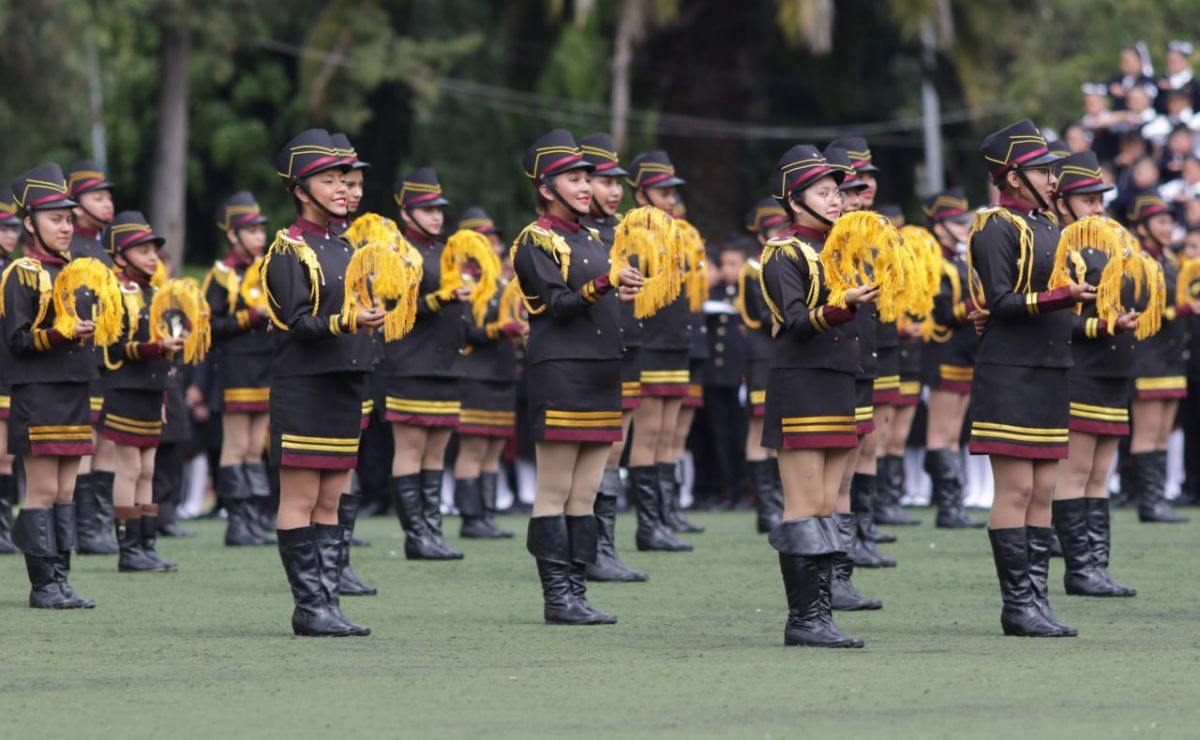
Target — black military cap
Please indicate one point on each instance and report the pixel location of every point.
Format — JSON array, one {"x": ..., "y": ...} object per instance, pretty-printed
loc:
[
  {"x": 476, "y": 219},
  {"x": 128, "y": 229},
  {"x": 654, "y": 170},
  {"x": 859, "y": 151},
  {"x": 599, "y": 150},
  {"x": 312, "y": 151},
  {"x": 1147, "y": 203},
  {"x": 839, "y": 159},
  {"x": 420, "y": 189},
  {"x": 85, "y": 176},
  {"x": 8, "y": 212},
  {"x": 349, "y": 154},
  {"x": 238, "y": 211},
  {"x": 553, "y": 154},
  {"x": 799, "y": 167},
  {"x": 42, "y": 189},
  {"x": 1017, "y": 146},
  {"x": 1080, "y": 173},
  {"x": 890, "y": 211},
  {"x": 765, "y": 214},
  {"x": 948, "y": 205}
]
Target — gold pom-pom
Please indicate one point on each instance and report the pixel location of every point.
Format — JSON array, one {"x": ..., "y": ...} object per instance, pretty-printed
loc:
[
  {"x": 91, "y": 274},
  {"x": 865, "y": 248},
  {"x": 464, "y": 248},
  {"x": 251, "y": 288},
  {"x": 651, "y": 237},
  {"x": 384, "y": 270},
  {"x": 180, "y": 309},
  {"x": 696, "y": 270}
]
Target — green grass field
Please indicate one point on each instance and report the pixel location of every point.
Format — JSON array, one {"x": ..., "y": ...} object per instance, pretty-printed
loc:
[{"x": 460, "y": 650}]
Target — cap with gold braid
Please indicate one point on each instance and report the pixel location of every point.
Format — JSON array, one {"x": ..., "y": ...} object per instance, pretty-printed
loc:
[
  {"x": 1080, "y": 173},
  {"x": 765, "y": 214},
  {"x": 476, "y": 219},
  {"x": 598, "y": 149},
  {"x": 310, "y": 152},
  {"x": 127, "y": 230},
  {"x": 839, "y": 158},
  {"x": 43, "y": 188},
  {"x": 859, "y": 152},
  {"x": 798, "y": 169},
  {"x": 948, "y": 205},
  {"x": 1146, "y": 205},
  {"x": 1019, "y": 146},
  {"x": 553, "y": 154},
  {"x": 654, "y": 170},
  {"x": 420, "y": 189},
  {"x": 346, "y": 150},
  {"x": 8, "y": 212},
  {"x": 239, "y": 211},
  {"x": 86, "y": 176}
]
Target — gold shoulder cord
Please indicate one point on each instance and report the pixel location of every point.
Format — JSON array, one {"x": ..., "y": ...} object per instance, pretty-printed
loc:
[
  {"x": 788, "y": 248},
  {"x": 307, "y": 258},
  {"x": 33, "y": 276},
  {"x": 553, "y": 244},
  {"x": 752, "y": 270},
  {"x": 1024, "y": 279}
]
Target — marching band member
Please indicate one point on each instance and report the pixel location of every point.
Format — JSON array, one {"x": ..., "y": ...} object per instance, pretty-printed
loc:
[{"x": 10, "y": 234}]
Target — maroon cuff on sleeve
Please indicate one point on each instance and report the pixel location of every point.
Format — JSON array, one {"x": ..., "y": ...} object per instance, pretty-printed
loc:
[
  {"x": 834, "y": 315},
  {"x": 151, "y": 350},
  {"x": 55, "y": 337},
  {"x": 1054, "y": 300},
  {"x": 1183, "y": 310}
]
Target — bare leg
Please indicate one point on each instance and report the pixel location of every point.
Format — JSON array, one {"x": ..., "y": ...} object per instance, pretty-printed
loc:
[
  {"x": 1074, "y": 472},
  {"x": 585, "y": 479},
  {"x": 555, "y": 470},
  {"x": 235, "y": 439},
  {"x": 1014, "y": 491},
  {"x": 299, "y": 489},
  {"x": 410, "y": 443}
]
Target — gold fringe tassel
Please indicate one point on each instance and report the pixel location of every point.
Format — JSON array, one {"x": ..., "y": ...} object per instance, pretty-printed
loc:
[
  {"x": 553, "y": 244},
  {"x": 185, "y": 298},
  {"x": 94, "y": 275},
  {"x": 284, "y": 244},
  {"x": 696, "y": 270},
  {"x": 463, "y": 247},
  {"x": 652, "y": 237}
]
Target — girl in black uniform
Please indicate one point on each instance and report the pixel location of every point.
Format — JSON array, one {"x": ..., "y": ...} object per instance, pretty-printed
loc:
[
  {"x": 10, "y": 234},
  {"x": 243, "y": 348},
  {"x": 671, "y": 475},
  {"x": 810, "y": 403},
  {"x": 666, "y": 339},
  {"x": 766, "y": 221},
  {"x": 49, "y": 424},
  {"x": 1019, "y": 407},
  {"x": 607, "y": 192},
  {"x": 422, "y": 375},
  {"x": 949, "y": 359},
  {"x": 318, "y": 379},
  {"x": 574, "y": 367},
  {"x": 134, "y": 390},
  {"x": 1160, "y": 368},
  {"x": 487, "y": 419},
  {"x": 1099, "y": 401}
]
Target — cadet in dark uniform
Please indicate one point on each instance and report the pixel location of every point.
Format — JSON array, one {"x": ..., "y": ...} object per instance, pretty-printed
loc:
[
  {"x": 607, "y": 193},
  {"x": 422, "y": 373},
  {"x": 1019, "y": 408},
  {"x": 766, "y": 220},
  {"x": 488, "y": 417},
  {"x": 1160, "y": 368},
  {"x": 92, "y": 193},
  {"x": 696, "y": 268},
  {"x": 949, "y": 359},
  {"x": 1100, "y": 389},
  {"x": 318, "y": 379},
  {"x": 810, "y": 416},
  {"x": 49, "y": 418},
  {"x": 10, "y": 234},
  {"x": 242, "y": 348},
  {"x": 574, "y": 354},
  {"x": 134, "y": 389},
  {"x": 666, "y": 339}
]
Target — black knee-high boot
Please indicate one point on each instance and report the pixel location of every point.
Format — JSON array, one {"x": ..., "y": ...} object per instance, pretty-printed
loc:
[
  {"x": 260, "y": 507},
  {"x": 150, "y": 537},
  {"x": 549, "y": 543},
  {"x": 330, "y": 540},
  {"x": 234, "y": 494},
  {"x": 1083, "y": 575},
  {"x": 668, "y": 482},
  {"x": 8, "y": 499},
  {"x": 33, "y": 533},
  {"x": 652, "y": 531},
  {"x": 846, "y": 597},
  {"x": 888, "y": 512},
  {"x": 806, "y": 562},
  {"x": 488, "y": 483},
  {"x": 312, "y": 615},
  {"x": 67, "y": 539},
  {"x": 762, "y": 478},
  {"x": 431, "y": 498},
  {"x": 419, "y": 543},
  {"x": 468, "y": 499},
  {"x": 583, "y": 533},
  {"x": 94, "y": 513},
  {"x": 1099, "y": 529},
  {"x": 350, "y": 584},
  {"x": 608, "y": 565},
  {"x": 1021, "y": 615},
  {"x": 1151, "y": 471},
  {"x": 133, "y": 557},
  {"x": 1038, "y": 539},
  {"x": 862, "y": 496},
  {"x": 945, "y": 468}
]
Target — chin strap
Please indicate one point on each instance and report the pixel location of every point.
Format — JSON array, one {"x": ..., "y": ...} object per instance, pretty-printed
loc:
[
  {"x": 554, "y": 191},
  {"x": 304, "y": 189},
  {"x": 1066, "y": 201},
  {"x": 103, "y": 222},
  {"x": 1041, "y": 200},
  {"x": 39, "y": 242},
  {"x": 412, "y": 220},
  {"x": 799, "y": 200}
]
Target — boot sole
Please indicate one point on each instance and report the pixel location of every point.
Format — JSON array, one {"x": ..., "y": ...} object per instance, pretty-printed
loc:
[{"x": 852, "y": 645}]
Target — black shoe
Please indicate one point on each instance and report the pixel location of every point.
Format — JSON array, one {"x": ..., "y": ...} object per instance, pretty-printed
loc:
[
  {"x": 468, "y": 499},
  {"x": 1098, "y": 528},
  {"x": 1083, "y": 575},
  {"x": 331, "y": 541},
  {"x": 33, "y": 533},
  {"x": 672, "y": 514},
  {"x": 1038, "y": 539},
  {"x": 1151, "y": 471},
  {"x": 652, "y": 532},
  {"x": 806, "y": 562},
  {"x": 549, "y": 543},
  {"x": 842, "y": 532},
  {"x": 234, "y": 495},
  {"x": 488, "y": 482},
  {"x": 862, "y": 496},
  {"x": 609, "y": 566},
  {"x": 763, "y": 480},
  {"x": 8, "y": 499},
  {"x": 167, "y": 524},
  {"x": 93, "y": 513},
  {"x": 150, "y": 537},
  {"x": 350, "y": 584},
  {"x": 133, "y": 558},
  {"x": 945, "y": 468},
  {"x": 583, "y": 534},
  {"x": 260, "y": 512},
  {"x": 1021, "y": 615},
  {"x": 887, "y": 511},
  {"x": 313, "y": 615},
  {"x": 67, "y": 538},
  {"x": 431, "y": 497},
  {"x": 419, "y": 544}
]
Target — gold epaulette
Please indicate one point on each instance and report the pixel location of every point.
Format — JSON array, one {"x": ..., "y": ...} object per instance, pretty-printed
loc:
[
  {"x": 294, "y": 245},
  {"x": 595, "y": 233},
  {"x": 1024, "y": 281},
  {"x": 33, "y": 276},
  {"x": 794, "y": 249},
  {"x": 750, "y": 270},
  {"x": 227, "y": 278},
  {"x": 553, "y": 244}
]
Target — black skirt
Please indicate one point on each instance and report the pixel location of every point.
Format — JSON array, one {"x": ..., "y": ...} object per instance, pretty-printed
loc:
[
  {"x": 5, "y": 400},
  {"x": 887, "y": 384},
  {"x": 665, "y": 373},
  {"x": 575, "y": 400},
  {"x": 489, "y": 409},
  {"x": 810, "y": 409},
  {"x": 96, "y": 399},
  {"x": 864, "y": 405},
  {"x": 422, "y": 401},
  {"x": 132, "y": 416},
  {"x": 1159, "y": 387},
  {"x": 1099, "y": 405},
  {"x": 1019, "y": 411},
  {"x": 316, "y": 419},
  {"x": 695, "y": 390},
  {"x": 245, "y": 383},
  {"x": 50, "y": 419},
  {"x": 631, "y": 378},
  {"x": 758, "y": 372}
]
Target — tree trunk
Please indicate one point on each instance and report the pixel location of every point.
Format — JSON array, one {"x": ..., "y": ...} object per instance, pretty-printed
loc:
[
  {"x": 628, "y": 23},
  {"x": 169, "y": 182}
]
